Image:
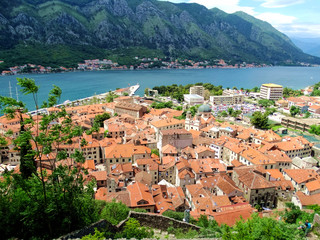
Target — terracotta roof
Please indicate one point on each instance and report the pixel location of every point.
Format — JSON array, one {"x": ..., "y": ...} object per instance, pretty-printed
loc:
[
  {"x": 100, "y": 175},
  {"x": 232, "y": 216},
  {"x": 125, "y": 150},
  {"x": 122, "y": 196},
  {"x": 121, "y": 168},
  {"x": 89, "y": 164},
  {"x": 236, "y": 163},
  {"x": 129, "y": 106},
  {"x": 168, "y": 159},
  {"x": 167, "y": 122},
  {"x": 301, "y": 175},
  {"x": 313, "y": 185},
  {"x": 306, "y": 200},
  {"x": 169, "y": 149},
  {"x": 201, "y": 149},
  {"x": 256, "y": 157},
  {"x": 284, "y": 185},
  {"x": 249, "y": 177},
  {"x": 293, "y": 143},
  {"x": 185, "y": 172},
  {"x": 278, "y": 156},
  {"x": 275, "y": 173},
  {"x": 140, "y": 195},
  {"x": 175, "y": 132},
  {"x": 177, "y": 196},
  {"x": 144, "y": 178}
]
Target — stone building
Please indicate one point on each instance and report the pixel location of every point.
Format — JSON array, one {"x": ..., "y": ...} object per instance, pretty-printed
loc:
[
  {"x": 256, "y": 188},
  {"x": 132, "y": 109},
  {"x": 179, "y": 138}
]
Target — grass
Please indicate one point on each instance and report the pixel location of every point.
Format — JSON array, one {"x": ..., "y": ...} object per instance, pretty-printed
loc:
[{"x": 275, "y": 128}]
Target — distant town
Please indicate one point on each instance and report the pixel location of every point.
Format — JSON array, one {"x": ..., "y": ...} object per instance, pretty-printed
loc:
[
  {"x": 144, "y": 63},
  {"x": 212, "y": 154}
]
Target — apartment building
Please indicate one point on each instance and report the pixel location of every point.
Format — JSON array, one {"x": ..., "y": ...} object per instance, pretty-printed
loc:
[{"x": 271, "y": 91}]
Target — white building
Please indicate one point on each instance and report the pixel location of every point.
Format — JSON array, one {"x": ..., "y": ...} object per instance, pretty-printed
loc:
[
  {"x": 199, "y": 90},
  {"x": 271, "y": 91},
  {"x": 193, "y": 99},
  {"x": 227, "y": 100}
]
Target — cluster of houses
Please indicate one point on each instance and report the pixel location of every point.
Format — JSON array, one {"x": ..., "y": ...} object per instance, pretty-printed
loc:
[
  {"x": 32, "y": 68},
  {"x": 146, "y": 63},
  {"x": 304, "y": 103},
  {"x": 149, "y": 159}
]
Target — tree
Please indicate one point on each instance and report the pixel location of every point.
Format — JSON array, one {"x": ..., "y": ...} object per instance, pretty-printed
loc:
[
  {"x": 155, "y": 151},
  {"x": 307, "y": 114},
  {"x": 146, "y": 91},
  {"x": 99, "y": 119},
  {"x": 111, "y": 96},
  {"x": 115, "y": 212},
  {"x": 44, "y": 204},
  {"x": 294, "y": 111},
  {"x": 236, "y": 113},
  {"x": 224, "y": 114},
  {"x": 230, "y": 111},
  {"x": 315, "y": 129},
  {"x": 266, "y": 103},
  {"x": 207, "y": 94},
  {"x": 270, "y": 111},
  {"x": 259, "y": 120}
]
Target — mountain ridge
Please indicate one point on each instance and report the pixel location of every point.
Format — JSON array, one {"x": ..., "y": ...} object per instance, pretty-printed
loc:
[{"x": 178, "y": 30}]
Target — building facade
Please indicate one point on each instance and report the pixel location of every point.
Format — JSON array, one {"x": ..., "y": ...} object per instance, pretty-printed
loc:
[
  {"x": 199, "y": 90},
  {"x": 271, "y": 91}
]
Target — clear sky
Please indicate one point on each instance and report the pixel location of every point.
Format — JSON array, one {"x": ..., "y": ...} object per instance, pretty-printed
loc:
[{"x": 296, "y": 18}]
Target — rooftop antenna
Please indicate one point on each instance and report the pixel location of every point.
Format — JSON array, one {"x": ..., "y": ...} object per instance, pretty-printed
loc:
[
  {"x": 10, "y": 89},
  {"x": 17, "y": 94}
]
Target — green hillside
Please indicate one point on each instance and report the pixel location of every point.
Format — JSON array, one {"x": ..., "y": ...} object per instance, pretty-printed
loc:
[{"x": 92, "y": 28}]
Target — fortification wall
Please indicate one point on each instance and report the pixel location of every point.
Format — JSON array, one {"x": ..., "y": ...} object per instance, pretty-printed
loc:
[{"x": 146, "y": 219}]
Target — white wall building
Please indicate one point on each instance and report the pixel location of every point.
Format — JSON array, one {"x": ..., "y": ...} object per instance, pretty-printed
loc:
[
  {"x": 271, "y": 91},
  {"x": 193, "y": 99}
]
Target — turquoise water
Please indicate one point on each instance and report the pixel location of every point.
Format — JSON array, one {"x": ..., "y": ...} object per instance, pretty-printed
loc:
[{"x": 77, "y": 85}]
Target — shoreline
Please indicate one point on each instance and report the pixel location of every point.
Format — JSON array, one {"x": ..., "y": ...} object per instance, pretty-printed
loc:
[{"x": 153, "y": 69}]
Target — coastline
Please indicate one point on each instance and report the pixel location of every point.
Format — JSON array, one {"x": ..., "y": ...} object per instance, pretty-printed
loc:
[{"x": 155, "y": 69}]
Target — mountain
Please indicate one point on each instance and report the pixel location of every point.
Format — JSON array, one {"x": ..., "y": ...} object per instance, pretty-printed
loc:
[
  {"x": 67, "y": 31},
  {"x": 308, "y": 45}
]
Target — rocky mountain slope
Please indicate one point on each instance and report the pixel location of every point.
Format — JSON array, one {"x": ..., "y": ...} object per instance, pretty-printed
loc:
[{"x": 183, "y": 30}]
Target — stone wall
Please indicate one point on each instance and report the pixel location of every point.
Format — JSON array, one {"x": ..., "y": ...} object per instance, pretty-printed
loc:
[
  {"x": 161, "y": 222},
  {"x": 316, "y": 219},
  {"x": 146, "y": 219},
  {"x": 102, "y": 224}
]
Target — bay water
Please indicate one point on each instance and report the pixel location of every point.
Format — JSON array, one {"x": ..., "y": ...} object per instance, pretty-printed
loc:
[{"x": 76, "y": 85}]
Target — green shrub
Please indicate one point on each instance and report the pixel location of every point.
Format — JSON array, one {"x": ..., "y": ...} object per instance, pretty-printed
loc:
[
  {"x": 132, "y": 229},
  {"x": 115, "y": 212},
  {"x": 141, "y": 210},
  {"x": 96, "y": 236}
]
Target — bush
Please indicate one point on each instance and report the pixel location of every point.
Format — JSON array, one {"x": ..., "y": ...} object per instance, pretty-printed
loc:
[
  {"x": 115, "y": 212},
  {"x": 175, "y": 215},
  {"x": 141, "y": 210},
  {"x": 181, "y": 234},
  {"x": 96, "y": 236},
  {"x": 132, "y": 229}
]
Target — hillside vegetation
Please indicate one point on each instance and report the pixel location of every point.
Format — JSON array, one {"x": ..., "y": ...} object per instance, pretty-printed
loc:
[{"x": 176, "y": 30}]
